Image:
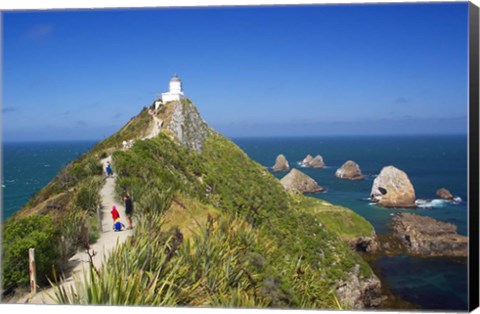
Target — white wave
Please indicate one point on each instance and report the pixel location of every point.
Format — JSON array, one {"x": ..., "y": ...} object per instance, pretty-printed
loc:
[
  {"x": 46, "y": 166},
  {"x": 431, "y": 203},
  {"x": 457, "y": 200},
  {"x": 3, "y": 185}
]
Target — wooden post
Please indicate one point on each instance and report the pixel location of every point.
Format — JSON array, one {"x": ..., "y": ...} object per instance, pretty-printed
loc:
[
  {"x": 64, "y": 250},
  {"x": 33, "y": 271},
  {"x": 99, "y": 217}
]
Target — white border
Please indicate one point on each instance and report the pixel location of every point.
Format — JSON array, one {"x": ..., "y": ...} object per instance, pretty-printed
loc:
[{"x": 9, "y": 5}]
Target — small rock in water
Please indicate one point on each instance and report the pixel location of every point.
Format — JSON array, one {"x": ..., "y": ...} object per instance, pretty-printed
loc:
[
  {"x": 312, "y": 162},
  {"x": 298, "y": 181},
  {"x": 281, "y": 164},
  {"x": 349, "y": 170},
  {"x": 317, "y": 162},
  {"x": 307, "y": 160},
  {"x": 444, "y": 194}
]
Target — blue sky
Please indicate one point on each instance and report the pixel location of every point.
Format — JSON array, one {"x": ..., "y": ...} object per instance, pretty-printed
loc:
[{"x": 256, "y": 71}]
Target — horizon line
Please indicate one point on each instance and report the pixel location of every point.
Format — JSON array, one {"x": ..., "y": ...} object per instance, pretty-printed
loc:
[{"x": 253, "y": 137}]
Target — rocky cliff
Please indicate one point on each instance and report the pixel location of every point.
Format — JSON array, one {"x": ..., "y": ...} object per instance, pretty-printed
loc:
[{"x": 182, "y": 120}]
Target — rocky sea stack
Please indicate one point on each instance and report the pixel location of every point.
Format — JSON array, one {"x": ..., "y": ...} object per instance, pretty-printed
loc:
[
  {"x": 307, "y": 160},
  {"x": 281, "y": 163},
  {"x": 444, "y": 194},
  {"x": 298, "y": 181},
  {"x": 349, "y": 170},
  {"x": 392, "y": 188},
  {"x": 426, "y": 236},
  {"x": 313, "y": 162}
]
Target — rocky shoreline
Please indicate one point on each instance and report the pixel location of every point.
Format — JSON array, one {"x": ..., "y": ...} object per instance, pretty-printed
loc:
[
  {"x": 411, "y": 234},
  {"x": 428, "y": 237}
]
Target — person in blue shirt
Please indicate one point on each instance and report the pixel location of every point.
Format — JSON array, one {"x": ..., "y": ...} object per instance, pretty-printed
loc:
[{"x": 109, "y": 169}]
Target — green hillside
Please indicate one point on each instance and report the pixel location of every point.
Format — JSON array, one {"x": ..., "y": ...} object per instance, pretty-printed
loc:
[{"x": 213, "y": 228}]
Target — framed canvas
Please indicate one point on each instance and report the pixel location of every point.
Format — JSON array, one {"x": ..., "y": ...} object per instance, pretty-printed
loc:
[{"x": 264, "y": 156}]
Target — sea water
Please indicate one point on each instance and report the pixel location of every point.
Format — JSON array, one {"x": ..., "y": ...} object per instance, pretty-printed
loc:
[
  {"x": 27, "y": 167},
  {"x": 431, "y": 162}
]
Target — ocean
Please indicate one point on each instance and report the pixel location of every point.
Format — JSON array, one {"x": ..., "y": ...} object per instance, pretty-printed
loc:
[
  {"x": 27, "y": 167},
  {"x": 431, "y": 162}
]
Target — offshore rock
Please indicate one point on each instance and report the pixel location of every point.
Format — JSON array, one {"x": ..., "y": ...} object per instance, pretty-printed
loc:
[
  {"x": 357, "y": 293},
  {"x": 392, "y": 188},
  {"x": 298, "y": 181},
  {"x": 426, "y": 236},
  {"x": 444, "y": 194},
  {"x": 307, "y": 160},
  {"x": 349, "y": 170},
  {"x": 281, "y": 164},
  {"x": 316, "y": 162}
]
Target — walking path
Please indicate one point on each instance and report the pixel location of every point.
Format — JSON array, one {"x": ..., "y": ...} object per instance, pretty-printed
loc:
[
  {"x": 79, "y": 263},
  {"x": 157, "y": 126},
  {"x": 102, "y": 248}
]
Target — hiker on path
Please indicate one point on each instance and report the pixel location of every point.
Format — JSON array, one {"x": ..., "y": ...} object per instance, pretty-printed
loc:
[
  {"x": 128, "y": 210},
  {"x": 117, "y": 225},
  {"x": 115, "y": 213},
  {"x": 108, "y": 169}
]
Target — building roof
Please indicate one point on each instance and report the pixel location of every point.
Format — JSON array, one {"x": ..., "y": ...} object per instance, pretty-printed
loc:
[{"x": 175, "y": 78}]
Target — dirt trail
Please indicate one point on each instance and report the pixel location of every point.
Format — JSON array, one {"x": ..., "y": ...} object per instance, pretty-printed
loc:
[
  {"x": 79, "y": 263},
  {"x": 157, "y": 126},
  {"x": 104, "y": 245}
]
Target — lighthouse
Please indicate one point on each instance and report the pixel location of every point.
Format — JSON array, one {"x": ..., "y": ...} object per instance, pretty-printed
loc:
[{"x": 174, "y": 93}]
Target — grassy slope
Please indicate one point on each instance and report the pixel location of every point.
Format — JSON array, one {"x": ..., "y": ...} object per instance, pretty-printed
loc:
[
  {"x": 295, "y": 238},
  {"x": 71, "y": 199},
  {"x": 294, "y": 257},
  {"x": 340, "y": 220}
]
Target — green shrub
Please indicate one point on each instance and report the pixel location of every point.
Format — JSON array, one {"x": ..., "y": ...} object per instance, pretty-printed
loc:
[
  {"x": 78, "y": 229},
  {"x": 87, "y": 198},
  {"x": 37, "y": 232}
]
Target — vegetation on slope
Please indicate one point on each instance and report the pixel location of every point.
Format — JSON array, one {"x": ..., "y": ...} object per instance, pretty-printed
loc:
[
  {"x": 214, "y": 229},
  {"x": 69, "y": 201},
  {"x": 294, "y": 261},
  {"x": 337, "y": 219},
  {"x": 59, "y": 220}
]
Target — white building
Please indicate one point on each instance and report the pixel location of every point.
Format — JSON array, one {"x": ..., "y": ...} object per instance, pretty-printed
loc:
[{"x": 175, "y": 92}]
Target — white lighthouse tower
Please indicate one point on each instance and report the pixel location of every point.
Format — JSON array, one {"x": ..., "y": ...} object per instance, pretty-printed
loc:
[{"x": 175, "y": 91}]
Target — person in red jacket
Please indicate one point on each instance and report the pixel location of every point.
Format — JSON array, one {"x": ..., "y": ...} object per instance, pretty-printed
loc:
[
  {"x": 117, "y": 225},
  {"x": 115, "y": 214}
]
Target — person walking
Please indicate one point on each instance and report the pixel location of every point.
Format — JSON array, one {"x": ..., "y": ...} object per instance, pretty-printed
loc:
[
  {"x": 108, "y": 169},
  {"x": 128, "y": 211}
]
